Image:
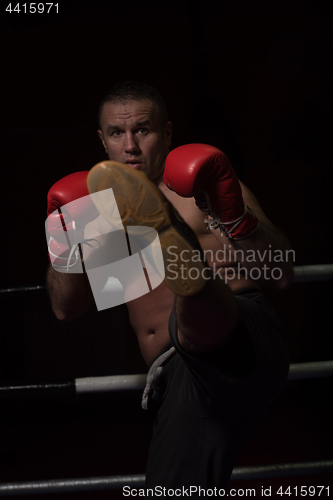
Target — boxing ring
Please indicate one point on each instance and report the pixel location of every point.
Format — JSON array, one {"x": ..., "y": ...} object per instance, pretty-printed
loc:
[{"x": 89, "y": 385}]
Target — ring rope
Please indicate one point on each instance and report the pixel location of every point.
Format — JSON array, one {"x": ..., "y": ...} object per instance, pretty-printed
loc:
[
  {"x": 138, "y": 480},
  {"x": 89, "y": 385},
  {"x": 317, "y": 272},
  {"x": 314, "y": 369}
]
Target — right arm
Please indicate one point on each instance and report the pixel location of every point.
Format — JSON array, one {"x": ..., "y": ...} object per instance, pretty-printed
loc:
[
  {"x": 69, "y": 210},
  {"x": 70, "y": 294}
]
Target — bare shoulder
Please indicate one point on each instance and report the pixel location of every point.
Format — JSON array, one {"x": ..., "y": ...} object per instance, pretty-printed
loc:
[
  {"x": 252, "y": 202},
  {"x": 249, "y": 197}
]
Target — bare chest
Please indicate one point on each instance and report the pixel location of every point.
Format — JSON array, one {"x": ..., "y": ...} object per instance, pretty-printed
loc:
[{"x": 149, "y": 314}]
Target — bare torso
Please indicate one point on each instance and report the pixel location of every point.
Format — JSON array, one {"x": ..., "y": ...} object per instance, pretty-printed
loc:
[{"x": 149, "y": 314}]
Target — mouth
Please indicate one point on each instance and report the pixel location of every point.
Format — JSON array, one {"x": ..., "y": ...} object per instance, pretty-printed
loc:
[{"x": 133, "y": 163}]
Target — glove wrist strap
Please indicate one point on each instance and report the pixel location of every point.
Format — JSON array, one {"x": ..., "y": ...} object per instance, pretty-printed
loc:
[{"x": 235, "y": 232}]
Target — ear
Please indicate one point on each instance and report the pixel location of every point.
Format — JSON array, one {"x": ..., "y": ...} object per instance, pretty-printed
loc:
[
  {"x": 168, "y": 133},
  {"x": 101, "y": 136}
]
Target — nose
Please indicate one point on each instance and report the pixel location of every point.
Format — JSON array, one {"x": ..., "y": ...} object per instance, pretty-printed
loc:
[{"x": 131, "y": 145}]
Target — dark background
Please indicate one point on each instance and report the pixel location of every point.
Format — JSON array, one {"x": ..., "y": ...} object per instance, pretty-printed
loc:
[{"x": 253, "y": 78}]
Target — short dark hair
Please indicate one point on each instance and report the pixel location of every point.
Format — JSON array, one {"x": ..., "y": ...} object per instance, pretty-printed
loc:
[{"x": 134, "y": 91}]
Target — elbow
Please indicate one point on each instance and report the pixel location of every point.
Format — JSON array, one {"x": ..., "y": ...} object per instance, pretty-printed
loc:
[
  {"x": 283, "y": 284},
  {"x": 63, "y": 315},
  {"x": 68, "y": 314},
  {"x": 287, "y": 277},
  {"x": 282, "y": 278}
]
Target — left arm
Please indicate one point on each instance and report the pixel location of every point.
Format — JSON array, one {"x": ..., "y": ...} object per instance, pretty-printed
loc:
[
  {"x": 267, "y": 249},
  {"x": 205, "y": 172}
]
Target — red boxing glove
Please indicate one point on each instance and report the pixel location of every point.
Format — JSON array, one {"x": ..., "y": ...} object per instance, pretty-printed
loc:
[
  {"x": 205, "y": 172},
  {"x": 69, "y": 209}
]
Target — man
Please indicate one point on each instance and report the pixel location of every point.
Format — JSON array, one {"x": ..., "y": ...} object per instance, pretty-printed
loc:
[{"x": 218, "y": 341}]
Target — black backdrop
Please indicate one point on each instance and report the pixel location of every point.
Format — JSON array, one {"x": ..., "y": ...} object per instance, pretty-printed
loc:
[{"x": 253, "y": 78}]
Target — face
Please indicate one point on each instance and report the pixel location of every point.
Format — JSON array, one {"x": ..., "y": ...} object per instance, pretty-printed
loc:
[{"x": 132, "y": 134}]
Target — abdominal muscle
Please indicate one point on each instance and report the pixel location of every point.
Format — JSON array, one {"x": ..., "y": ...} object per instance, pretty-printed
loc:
[{"x": 149, "y": 317}]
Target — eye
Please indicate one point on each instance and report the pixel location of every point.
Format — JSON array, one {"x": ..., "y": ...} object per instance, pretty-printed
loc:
[
  {"x": 142, "y": 130},
  {"x": 115, "y": 133}
]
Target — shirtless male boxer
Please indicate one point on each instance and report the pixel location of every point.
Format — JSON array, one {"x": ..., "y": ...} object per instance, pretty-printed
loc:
[{"x": 218, "y": 340}]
